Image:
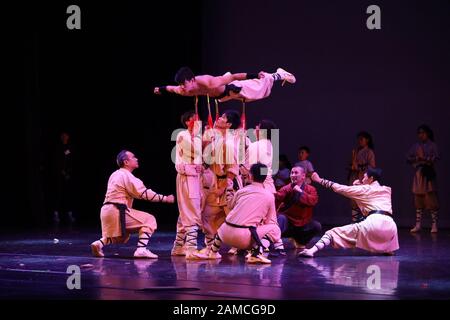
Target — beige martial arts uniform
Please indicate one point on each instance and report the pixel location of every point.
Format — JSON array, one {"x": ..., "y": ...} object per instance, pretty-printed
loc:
[
  {"x": 261, "y": 151},
  {"x": 251, "y": 89},
  {"x": 223, "y": 159},
  {"x": 123, "y": 187},
  {"x": 378, "y": 232},
  {"x": 213, "y": 206},
  {"x": 188, "y": 184},
  {"x": 252, "y": 205}
]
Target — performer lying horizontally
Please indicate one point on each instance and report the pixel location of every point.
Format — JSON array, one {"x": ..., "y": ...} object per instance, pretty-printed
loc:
[
  {"x": 240, "y": 86},
  {"x": 377, "y": 232}
]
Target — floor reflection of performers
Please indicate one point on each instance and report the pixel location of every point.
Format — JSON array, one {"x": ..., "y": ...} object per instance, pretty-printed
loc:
[
  {"x": 295, "y": 209},
  {"x": 360, "y": 273},
  {"x": 377, "y": 232},
  {"x": 363, "y": 157},
  {"x": 422, "y": 156}
]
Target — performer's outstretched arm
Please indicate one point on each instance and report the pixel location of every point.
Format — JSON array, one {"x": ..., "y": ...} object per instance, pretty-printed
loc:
[
  {"x": 171, "y": 89},
  {"x": 352, "y": 192},
  {"x": 138, "y": 190}
]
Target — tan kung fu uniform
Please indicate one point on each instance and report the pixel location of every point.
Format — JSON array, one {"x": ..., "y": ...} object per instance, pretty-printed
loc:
[
  {"x": 123, "y": 187},
  {"x": 254, "y": 206},
  {"x": 377, "y": 232}
]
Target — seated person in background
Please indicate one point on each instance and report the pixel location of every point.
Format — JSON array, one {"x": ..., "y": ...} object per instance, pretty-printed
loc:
[{"x": 295, "y": 203}]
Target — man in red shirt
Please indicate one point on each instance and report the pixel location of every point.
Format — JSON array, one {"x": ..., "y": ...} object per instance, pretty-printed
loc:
[{"x": 295, "y": 203}]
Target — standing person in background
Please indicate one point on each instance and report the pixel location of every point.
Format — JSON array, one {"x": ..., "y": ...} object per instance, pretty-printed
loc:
[
  {"x": 303, "y": 155},
  {"x": 63, "y": 177},
  {"x": 363, "y": 157},
  {"x": 422, "y": 156}
]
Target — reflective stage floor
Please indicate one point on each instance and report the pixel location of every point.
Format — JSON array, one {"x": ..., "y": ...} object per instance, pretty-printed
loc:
[{"x": 35, "y": 266}]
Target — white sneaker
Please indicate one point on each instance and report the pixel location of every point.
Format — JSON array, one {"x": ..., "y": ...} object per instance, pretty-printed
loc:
[
  {"x": 144, "y": 253},
  {"x": 286, "y": 76},
  {"x": 233, "y": 251},
  {"x": 307, "y": 253},
  {"x": 258, "y": 259},
  {"x": 178, "y": 251},
  {"x": 96, "y": 248},
  {"x": 415, "y": 229}
]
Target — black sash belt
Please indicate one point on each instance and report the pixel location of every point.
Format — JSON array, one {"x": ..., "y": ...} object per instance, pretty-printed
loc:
[
  {"x": 379, "y": 212},
  {"x": 122, "y": 211},
  {"x": 252, "y": 232}
]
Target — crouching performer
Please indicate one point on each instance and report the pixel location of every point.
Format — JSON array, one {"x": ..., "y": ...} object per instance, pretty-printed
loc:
[
  {"x": 377, "y": 233},
  {"x": 252, "y": 222},
  {"x": 118, "y": 218}
]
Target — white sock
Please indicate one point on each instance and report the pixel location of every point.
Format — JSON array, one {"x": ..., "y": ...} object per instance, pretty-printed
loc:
[{"x": 322, "y": 243}]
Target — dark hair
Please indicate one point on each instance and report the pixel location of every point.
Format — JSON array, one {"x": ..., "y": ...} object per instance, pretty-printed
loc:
[
  {"x": 121, "y": 157},
  {"x": 234, "y": 118},
  {"x": 304, "y": 148},
  {"x": 184, "y": 74},
  {"x": 366, "y": 135},
  {"x": 185, "y": 117},
  {"x": 267, "y": 125},
  {"x": 285, "y": 159},
  {"x": 427, "y": 130},
  {"x": 256, "y": 171},
  {"x": 374, "y": 173}
]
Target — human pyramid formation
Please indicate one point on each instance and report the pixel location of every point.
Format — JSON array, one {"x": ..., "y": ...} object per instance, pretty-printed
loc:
[{"x": 225, "y": 188}]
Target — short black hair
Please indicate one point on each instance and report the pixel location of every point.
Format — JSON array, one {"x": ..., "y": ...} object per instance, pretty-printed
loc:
[
  {"x": 185, "y": 117},
  {"x": 121, "y": 157},
  {"x": 268, "y": 125},
  {"x": 368, "y": 136},
  {"x": 184, "y": 74},
  {"x": 234, "y": 118},
  {"x": 304, "y": 148},
  {"x": 374, "y": 173},
  {"x": 427, "y": 130},
  {"x": 256, "y": 171}
]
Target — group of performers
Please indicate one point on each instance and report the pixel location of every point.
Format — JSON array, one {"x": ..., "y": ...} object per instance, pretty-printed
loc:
[{"x": 228, "y": 192}]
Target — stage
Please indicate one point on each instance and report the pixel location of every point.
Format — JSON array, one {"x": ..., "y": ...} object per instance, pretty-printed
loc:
[{"x": 34, "y": 265}]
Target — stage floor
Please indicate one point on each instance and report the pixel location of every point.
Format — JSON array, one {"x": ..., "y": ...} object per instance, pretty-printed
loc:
[{"x": 33, "y": 265}]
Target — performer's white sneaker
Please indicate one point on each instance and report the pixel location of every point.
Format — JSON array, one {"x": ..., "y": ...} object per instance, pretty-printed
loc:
[
  {"x": 286, "y": 76},
  {"x": 307, "y": 253},
  {"x": 415, "y": 229},
  {"x": 258, "y": 259},
  {"x": 178, "y": 251},
  {"x": 233, "y": 251},
  {"x": 144, "y": 253},
  {"x": 96, "y": 248}
]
